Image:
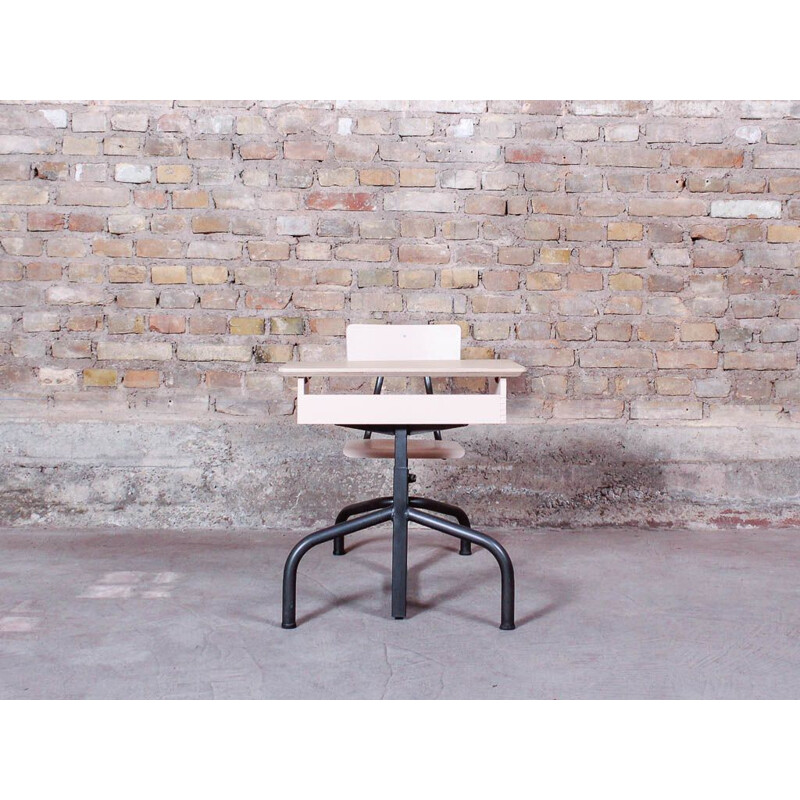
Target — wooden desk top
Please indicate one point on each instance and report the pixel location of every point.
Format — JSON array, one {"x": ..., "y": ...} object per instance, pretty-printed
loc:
[{"x": 461, "y": 368}]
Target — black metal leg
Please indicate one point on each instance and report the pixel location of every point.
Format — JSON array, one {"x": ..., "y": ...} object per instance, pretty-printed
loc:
[
  {"x": 492, "y": 545},
  {"x": 352, "y": 511},
  {"x": 400, "y": 513},
  {"x": 451, "y": 511},
  {"x": 313, "y": 539}
]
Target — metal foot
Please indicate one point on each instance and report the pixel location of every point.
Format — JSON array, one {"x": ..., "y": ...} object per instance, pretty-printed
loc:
[
  {"x": 312, "y": 540},
  {"x": 451, "y": 511},
  {"x": 492, "y": 545},
  {"x": 353, "y": 510}
]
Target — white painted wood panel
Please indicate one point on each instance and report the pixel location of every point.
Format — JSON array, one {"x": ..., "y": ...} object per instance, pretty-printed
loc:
[
  {"x": 403, "y": 342},
  {"x": 479, "y": 367},
  {"x": 401, "y": 409}
]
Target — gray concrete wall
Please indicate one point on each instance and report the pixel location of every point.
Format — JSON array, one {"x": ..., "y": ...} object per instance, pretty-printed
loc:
[{"x": 207, "y": 473}]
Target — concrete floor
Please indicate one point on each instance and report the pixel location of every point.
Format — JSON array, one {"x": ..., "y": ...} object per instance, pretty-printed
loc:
[{"x": 601, "y": 614}]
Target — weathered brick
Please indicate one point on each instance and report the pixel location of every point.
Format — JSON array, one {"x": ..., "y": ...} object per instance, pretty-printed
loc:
[
  {"x": 534, "y": 154},
  {"x": 399, "y": 151},
  {"x": 417, "y": 176},
  {"x": 167, "y": 323},
  {"x": 268, "y": 251},
  {"x": 604, "y": 358},
  {"x": 26, "y": 145},
  {"x": 134, "y": 351},
  {"x": 74, "y": 295},
  {"x": 543, "y": 281},
  {"x": 132, "y": 173},
  {"x": 376, "y": 277},
  {"x": 753, "y": 307},
  {"x": 541, "y": 230},
  {"x": 221, "y": 251},
  {"x": 715, "y": 257},
  {"x": 375, "y": 301},
  {"x": 267, "y": 300},
  {"x": 667, "y": 207},
  {"x": 609, "y": 108},
  {"x": 247, "y": 326},
  {"x": 624, "y": 231},
  {"x": 39, "y": 321},
  {"x": 495, "y": 304},
  {"x": 141, "y": 379},
  {"x": 299, "y": 149},
  {"x": 783, "y": 233},
  {"x": 377, "y": 177},
  {"x": 624, "y": 156},
  {"x": 274, "y": 353},
  {"x": 661, "y": 409},
  {"x": 282, "y": 326},
  {"x": 515, "y": 256},
  {"x": 173, "y": 173},
  {"x": 585, "y": 281},
  {"x": 485, "y": 204},
  {"x": 699, "y": 157},
  {"x": 323, "y": 300},
  {"x": 665, "y": 182},
  {"x": 746, "y": 209},
  {"x": 415, "y": 126},
  {"x": 363, "y": 252},
  {"x": 452, "y": 152},
  {"x": 209, "y": 149},
  {"x": 633, "y": 257},
  {"x": 99, "y": 377},
  {"x": 588, "y": 409},
  {"x": 772, "y": 332},
  {"x": 613, "y": 331},
  {"x": 258, "y": 151},
  {"x": 23, "y": 195},
  {"x": 214, "y": 352},
  {"x": 459, "y": 179},
  {"x": 699, "y": 332},
  {"x": 573, "y": 331},
  {"x": 459, "y": 278},
  {"x": 424, "y": 254},
  {"x": 402, "y": 200},
  {"x": 625, "y": 282},
  {"x": 584, "y": 182},
  {"x": 777, "y": 159},
  {"x": 122, "y": 145},
  {"x": 341, "y": 201},
  {"x": 760, "y": 361},
  {"x": 686, "y": 359},
  {"x": 416, "y": 279}
]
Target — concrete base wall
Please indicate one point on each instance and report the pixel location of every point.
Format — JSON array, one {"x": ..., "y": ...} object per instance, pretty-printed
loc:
[{"x": 230, "y": 474}]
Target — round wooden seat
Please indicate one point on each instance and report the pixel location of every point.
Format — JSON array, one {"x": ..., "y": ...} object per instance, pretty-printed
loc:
[{"x": 417, "y": 448}]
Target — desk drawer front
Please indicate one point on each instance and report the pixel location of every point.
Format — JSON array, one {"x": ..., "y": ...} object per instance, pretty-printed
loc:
[{"x": 401, "y": 409}]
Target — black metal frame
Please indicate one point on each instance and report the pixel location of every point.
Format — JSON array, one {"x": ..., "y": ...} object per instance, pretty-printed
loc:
[{"x": 400, "y": 509}]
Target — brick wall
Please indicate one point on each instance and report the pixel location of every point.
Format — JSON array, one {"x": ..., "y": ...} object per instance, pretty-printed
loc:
[{"x": 640, "y": 257}]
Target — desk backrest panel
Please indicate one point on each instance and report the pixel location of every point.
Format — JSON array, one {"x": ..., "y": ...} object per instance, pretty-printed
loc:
[{"x": 403, "y": 342}]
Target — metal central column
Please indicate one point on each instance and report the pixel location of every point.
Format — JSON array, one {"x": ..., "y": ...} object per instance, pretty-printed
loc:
[{"x": 400, "y": 524}]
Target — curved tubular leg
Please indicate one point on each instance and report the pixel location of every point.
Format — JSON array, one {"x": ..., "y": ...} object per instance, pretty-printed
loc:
[
  {"x": 492, "y": 545},
  {"x": 313, "y": 539},
  {"x": 352, "y": 511},
  {"x": 451, "y": 511}
]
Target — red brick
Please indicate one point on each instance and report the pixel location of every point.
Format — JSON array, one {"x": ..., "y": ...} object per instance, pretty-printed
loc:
[
  {"x": 532, "y": 154},
  {"x": 341, "y": 201},
  {"x": 698, "y": 157},
  {"x": 45, "y": 221}
]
